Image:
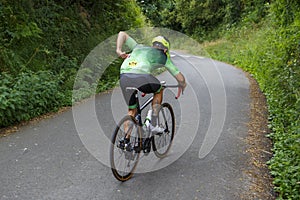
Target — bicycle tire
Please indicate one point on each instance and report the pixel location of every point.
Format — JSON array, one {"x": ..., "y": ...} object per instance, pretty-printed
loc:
[
  {"x": 162, "y": 142},
  {"x": 121, "y": 158}
]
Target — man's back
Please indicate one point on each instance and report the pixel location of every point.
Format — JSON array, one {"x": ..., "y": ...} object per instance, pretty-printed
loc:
[{"x": 143, "y": 60}]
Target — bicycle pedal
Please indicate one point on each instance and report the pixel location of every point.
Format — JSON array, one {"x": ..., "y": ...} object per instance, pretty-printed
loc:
[
  {"x": 146, "y": 151},
  {"x": 137, "y": 149}
]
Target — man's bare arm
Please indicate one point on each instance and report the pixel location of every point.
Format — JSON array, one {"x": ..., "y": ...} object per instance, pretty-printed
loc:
[{"x": 122, "y": 37}]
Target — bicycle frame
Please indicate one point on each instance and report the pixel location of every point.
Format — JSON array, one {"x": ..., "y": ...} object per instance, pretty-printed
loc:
[
  {"x": 148, "y": 101},
  {"x": 141, "y": 108}
]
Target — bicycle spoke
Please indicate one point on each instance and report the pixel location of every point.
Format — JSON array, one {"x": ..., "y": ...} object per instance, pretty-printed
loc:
[
  {"x": 123, "y": 156},
  {"x": 162, "y": 142}
]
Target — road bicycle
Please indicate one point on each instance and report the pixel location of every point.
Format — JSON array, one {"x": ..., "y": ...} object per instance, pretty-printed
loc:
[{"x": 132, "y": 136}]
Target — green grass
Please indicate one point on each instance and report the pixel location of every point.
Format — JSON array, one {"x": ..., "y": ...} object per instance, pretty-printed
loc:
[{"x": 271, "y": 55}]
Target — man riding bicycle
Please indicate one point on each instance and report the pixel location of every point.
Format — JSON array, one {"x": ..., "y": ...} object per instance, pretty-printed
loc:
[{"x": 137, "y": 67}]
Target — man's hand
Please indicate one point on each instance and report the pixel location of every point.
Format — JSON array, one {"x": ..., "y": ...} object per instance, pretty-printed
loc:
[
  {"x": 181, "y": 81},
  {"x": 182, "y": 85},
  {"x": 122, "y": 54}
]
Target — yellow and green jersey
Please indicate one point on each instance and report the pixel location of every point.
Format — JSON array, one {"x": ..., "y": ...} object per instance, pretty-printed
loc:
[{"x": 145, "y": 59}]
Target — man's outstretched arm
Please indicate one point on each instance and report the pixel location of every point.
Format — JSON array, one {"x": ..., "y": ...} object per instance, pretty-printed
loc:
[{"x": 122, "y": 37}]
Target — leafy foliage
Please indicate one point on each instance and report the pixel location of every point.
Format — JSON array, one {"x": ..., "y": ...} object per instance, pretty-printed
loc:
[
  {"x": 270, "y": 51},
  {"x": 28, "y": 95},
  {"x": 202, "y": 19},
  {"x": 160, "y": 13},
  {"x": 52, "y": 38}
]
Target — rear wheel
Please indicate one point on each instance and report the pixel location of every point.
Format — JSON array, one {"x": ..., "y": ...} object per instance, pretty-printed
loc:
[
  {"x": 124, "y": 153},
  {"x": 162, "y": 141}
]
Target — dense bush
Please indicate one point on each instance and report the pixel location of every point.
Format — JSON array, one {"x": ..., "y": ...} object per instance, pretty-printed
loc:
[
  {"x": 28, "y": 95},
  {"x": 270, "y": 51},
  {"x": 43, "y": 39},
  {"x": 202, "y": 19}
]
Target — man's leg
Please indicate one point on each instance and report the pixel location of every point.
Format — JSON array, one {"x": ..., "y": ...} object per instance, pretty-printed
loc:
[
  {"x": 157, "y": 99},
  {"x": 127, "y": 80},
  {"x": 132, "y": 112}
]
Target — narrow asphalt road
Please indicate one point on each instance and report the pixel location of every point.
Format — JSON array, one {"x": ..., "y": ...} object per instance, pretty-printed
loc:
[{"x": 66, "y": 156}]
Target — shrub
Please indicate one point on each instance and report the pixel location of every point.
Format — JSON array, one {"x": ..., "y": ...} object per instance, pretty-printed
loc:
[
  {"x": 271, "y": 54},
  {"x": 28, "y": 95}
]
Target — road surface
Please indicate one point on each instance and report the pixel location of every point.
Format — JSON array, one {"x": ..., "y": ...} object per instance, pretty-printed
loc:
[{"x": 58, "y": 158}]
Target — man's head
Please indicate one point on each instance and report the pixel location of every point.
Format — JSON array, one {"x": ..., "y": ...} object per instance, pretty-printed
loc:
[{"x": 161, "y": 42}]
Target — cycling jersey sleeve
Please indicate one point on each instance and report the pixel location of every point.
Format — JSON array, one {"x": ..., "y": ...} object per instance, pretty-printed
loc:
[
  {"x": 171, "y": 67},
  {"x": 131, "y": 43}
]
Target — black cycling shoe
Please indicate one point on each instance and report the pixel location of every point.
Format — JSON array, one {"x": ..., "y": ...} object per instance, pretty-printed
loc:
[
  {"x": 124, "y": 144},
  {"x": 147, "y": 146}
]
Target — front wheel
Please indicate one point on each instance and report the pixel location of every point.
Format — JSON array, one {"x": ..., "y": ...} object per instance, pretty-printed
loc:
[
  {"x": 125, "y": 148},
  {"x": 162, "y": 141}
]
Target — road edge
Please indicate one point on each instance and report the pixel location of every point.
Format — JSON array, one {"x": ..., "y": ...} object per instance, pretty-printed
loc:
[{"x": 259, "y": 146}]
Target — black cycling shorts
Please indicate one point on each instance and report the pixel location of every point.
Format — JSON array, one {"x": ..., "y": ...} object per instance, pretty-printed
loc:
[{"x": 146, "y": 83}]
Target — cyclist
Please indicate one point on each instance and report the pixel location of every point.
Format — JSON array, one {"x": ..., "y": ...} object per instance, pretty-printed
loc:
[{"x": 137, "y": 67}]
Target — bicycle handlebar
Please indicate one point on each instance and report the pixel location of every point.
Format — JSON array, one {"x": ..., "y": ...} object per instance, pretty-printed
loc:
[{"x": 179, "y": 92}]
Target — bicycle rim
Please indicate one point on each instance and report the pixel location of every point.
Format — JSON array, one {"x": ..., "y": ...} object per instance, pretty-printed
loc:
[
  {"x": 124, "y": 160},
  {"x": 163, "y": 142}
]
